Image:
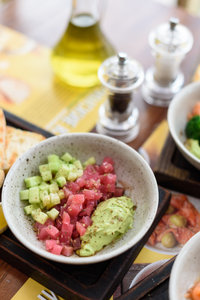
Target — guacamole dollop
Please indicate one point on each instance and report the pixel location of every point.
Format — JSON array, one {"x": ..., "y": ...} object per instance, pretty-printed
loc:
[{"x": 111, "y": 219}]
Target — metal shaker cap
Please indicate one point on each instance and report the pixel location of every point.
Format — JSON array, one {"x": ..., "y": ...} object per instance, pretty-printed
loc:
[
  {"x": 171, "y": 37},
  {"x": 121, "y": 74}
]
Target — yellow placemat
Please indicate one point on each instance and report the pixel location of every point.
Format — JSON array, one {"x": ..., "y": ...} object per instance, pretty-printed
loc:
[
  {"x": 29, "y": 89},
  {"x": 3, "y": 224}
]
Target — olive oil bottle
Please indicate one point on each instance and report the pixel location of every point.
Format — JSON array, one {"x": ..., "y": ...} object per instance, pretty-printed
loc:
[{"x": 83, "y": 47}]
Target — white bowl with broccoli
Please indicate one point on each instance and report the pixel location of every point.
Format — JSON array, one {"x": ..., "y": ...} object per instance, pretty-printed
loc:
[{"x": 186, "y": 132}]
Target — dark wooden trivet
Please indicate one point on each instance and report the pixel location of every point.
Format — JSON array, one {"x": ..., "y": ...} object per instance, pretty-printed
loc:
[
  {"x": 95, "y": 281},
  {"x": 173, "y": 171}
]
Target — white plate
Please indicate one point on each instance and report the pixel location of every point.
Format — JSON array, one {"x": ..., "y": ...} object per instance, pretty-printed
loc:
[{"x": 186, "y": 269}]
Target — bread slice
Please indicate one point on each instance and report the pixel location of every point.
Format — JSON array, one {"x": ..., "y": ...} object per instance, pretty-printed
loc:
[
  {"x": 2, "y": 138},
  {"x": 17, "y": 142}
]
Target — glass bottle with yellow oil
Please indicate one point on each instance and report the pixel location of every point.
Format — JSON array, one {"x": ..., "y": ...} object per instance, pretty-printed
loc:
[{"x": 83, "y": 47}]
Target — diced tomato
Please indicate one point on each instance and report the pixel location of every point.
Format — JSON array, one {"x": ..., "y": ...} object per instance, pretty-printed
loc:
[
  {"x": 57, "y": 249},
  {"x": 80, "y": 228},
  {"x": 67, "y": 250}
]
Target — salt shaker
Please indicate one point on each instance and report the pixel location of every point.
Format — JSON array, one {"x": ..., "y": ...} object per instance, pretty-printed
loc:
[
  {"x": 118, "y": 116},
  {"x": 170, "y": 42}
]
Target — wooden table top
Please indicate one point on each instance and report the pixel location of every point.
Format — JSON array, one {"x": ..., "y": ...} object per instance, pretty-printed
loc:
[{"x": 127, "y": 24}]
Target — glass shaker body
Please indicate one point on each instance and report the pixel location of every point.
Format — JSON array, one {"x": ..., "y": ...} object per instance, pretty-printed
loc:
[
  {"x": 170, "y": 42},
  {"x": 83, "y": 46},
  {"x": 118, "y": 116}
]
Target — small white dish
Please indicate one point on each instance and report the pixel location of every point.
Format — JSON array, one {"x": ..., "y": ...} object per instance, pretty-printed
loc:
[
  {"x": 179, "y": 108},
  {"x": 130, "y": 168},
  {"x": 185, "y": 271}
]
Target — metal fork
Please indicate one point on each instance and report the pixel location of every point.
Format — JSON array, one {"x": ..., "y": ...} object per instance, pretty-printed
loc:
[{"x": 48, "y": 295}]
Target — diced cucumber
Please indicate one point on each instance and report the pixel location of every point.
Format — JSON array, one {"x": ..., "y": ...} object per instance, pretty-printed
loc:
[
  {"x": 53, "y": 187},
  {"x": 46, "y": 175},
  {"x": 63, "y": 171},
  {"x": 53, "y": 158},
  {"x": 24, "y": 195},
  {"x": 55, "y": 199},
  {"x": 29, "y": 208},
  {"x": 44, "y": 186},
  {"x": 54, "y": 163},
  {"x": 53, "y": 213},
  {"x": 45, "y": 198},
  {"x": 34, "y": 196},
  {"x": 39, "y": 216},
  {"x": 61, "y": 181},
  {"x": 61, "y": 194},
  {"x": 67, "y": 157},
  {"x": 32, "y": 181},
  {"x": 89, "y": 161},
  {"x": 78, "y": 164}
]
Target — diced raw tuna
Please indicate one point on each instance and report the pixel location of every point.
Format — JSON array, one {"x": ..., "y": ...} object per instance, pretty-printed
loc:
[
  {"x": 67, "y": 250},
  {"x": 80, "y": 228}
]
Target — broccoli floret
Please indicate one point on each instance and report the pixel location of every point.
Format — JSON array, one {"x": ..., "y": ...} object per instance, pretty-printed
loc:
[{"x": 192, "y": 129}]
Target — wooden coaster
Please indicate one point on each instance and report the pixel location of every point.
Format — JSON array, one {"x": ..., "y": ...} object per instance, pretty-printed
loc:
[{"x": 173, "y": 171}]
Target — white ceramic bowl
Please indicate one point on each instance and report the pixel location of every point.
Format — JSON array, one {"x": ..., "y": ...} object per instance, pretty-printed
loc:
[
  {"x": 178, "y": 110},
  {"x": 130, "y": 168},
  {"x": 185, "y": 271}
]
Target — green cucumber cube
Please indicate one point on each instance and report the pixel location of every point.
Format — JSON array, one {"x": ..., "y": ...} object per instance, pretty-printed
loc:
[
  {"x": 53, "y": 187},
  {"x": 61, "y": 181},
  {"x": 54, "y": 163},
  {"x": 55, "y": 199},
  {"x": 34, "y": 196},
  {"x": 45, "y": 198},
  {"x": 89, "y": 161},
  {"x": 44, "y": 186},
  {"x": 46, "y": 175},
  {"x": 78, "y": 164},
  {"x": 24, "y": 195},
  {"x": 32, "y": 181},
  {"x": 29, "y": 208},
  {"x": 40, "y": 216},
  {"x": 67, "y": 157},
  {"x": 63, "y": 171},
  {"x": 61, "y": 194},
  {"x": 53, "y": 213}
]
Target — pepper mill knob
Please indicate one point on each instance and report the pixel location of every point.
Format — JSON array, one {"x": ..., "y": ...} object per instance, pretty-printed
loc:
[
  {"x": 173, "y": 23},
  {"x": 122, "y": 57}
]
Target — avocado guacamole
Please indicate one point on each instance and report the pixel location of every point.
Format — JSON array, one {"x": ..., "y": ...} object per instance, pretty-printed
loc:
[{"x": 111, "y": 219}]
